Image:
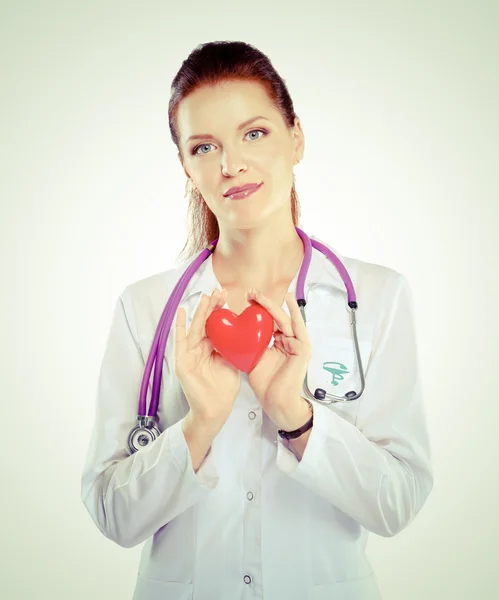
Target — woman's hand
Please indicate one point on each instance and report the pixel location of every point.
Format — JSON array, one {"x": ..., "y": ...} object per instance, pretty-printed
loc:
[
  {"x": 210, "y": 383},
  {"x": 277, "y": 379}
]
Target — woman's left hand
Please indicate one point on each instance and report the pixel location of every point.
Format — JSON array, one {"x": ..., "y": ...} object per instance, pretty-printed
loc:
[{"x": 277, "y": 379}]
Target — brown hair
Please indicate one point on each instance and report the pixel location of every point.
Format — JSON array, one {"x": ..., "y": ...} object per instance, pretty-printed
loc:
[{"x": 210, "y": 64}]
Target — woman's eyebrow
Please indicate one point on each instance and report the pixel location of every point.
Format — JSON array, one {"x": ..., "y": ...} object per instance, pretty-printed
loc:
[{"x": 210, "y": 137}]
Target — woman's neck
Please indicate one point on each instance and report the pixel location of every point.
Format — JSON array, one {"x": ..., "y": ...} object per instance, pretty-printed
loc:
[{"x": 262, "y": 259}]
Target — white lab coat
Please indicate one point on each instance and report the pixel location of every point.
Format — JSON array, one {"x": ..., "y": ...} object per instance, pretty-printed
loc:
[{"x": 255, "y": 521}]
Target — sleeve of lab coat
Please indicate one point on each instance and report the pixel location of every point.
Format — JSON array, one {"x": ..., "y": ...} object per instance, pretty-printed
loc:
[
  {"x": 129, "y": 497},
  {"x": 377, "y": 471}
]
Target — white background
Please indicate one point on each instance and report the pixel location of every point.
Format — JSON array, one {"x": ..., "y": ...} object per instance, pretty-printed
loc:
[{"x": 398, "y": 102}]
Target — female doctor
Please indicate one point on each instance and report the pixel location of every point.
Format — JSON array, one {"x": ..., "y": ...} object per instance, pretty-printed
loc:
[{"x": 227, "y": 508}]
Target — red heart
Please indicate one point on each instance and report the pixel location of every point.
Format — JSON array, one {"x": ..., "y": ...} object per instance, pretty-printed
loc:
[{"x": 241, "y": 339}]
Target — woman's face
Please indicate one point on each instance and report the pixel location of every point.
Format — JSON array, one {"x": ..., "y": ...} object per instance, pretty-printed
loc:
[{"x": 228, "y": 155}]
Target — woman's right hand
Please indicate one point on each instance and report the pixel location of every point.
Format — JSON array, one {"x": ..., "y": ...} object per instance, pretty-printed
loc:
[{"x": 210, "y": 383}]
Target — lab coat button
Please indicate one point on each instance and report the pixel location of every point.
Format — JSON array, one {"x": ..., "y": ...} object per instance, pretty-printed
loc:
[
  {"x": 249, "y": 495},
  {"x": 251, "y": 414},
  {"x": 247, "y": 579}
]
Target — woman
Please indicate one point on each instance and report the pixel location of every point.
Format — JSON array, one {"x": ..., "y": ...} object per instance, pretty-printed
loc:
[{"x": 229, "y": 508}]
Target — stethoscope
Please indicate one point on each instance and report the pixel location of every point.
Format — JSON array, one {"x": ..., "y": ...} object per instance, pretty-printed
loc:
[{"x": 147, "y": 429}]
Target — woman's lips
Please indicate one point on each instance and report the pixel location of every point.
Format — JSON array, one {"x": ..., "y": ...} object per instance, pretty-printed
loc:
[{"x": 245, "y": 194}]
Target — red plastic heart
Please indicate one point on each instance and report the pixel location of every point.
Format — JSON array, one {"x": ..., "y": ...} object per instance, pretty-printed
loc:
[{"x": 241, "y": 339}]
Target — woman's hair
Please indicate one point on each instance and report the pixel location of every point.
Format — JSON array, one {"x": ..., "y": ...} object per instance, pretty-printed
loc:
[{"x": 210, "y": 64}]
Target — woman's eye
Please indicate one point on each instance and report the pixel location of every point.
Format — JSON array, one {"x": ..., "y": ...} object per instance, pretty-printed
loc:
[
  {"x": 254, "y": 131},
  {"x": 195, "y": 150}
]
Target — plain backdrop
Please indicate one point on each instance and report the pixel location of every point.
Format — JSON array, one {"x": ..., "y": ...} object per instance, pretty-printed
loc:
[{"x": 399, "y": 105}]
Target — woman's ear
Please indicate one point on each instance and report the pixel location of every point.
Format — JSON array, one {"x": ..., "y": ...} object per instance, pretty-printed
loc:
[
  {"x": 299, "y": 140},
  {"x": 182, "y": 163}
]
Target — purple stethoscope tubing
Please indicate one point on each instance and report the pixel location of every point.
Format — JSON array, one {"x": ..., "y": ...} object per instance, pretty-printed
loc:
[{"x": 161, "y": 336}]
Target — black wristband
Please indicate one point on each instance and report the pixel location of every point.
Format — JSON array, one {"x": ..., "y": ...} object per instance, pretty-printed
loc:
[{"x": 291, "y": 435}]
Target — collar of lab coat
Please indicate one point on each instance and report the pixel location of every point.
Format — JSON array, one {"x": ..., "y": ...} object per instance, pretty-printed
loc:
[{"x": 321, "y": 271}]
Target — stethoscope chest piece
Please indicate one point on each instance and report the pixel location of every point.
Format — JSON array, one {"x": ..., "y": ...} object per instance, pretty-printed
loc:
[{"x": 142, "y": 434}]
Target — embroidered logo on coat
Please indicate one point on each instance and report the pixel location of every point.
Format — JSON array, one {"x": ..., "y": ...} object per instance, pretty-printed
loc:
[{"x": 337, "y": 370}]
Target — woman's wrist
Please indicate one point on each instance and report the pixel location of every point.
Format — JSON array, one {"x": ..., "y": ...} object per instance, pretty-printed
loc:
[{"x": 298, "y": 417}]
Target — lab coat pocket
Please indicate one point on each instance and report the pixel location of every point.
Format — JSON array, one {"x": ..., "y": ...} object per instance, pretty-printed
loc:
[
  {"x": 365, "y": 588},
  {"x": 153, "y": 589},
  {"x": 333, "y": 368}
]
